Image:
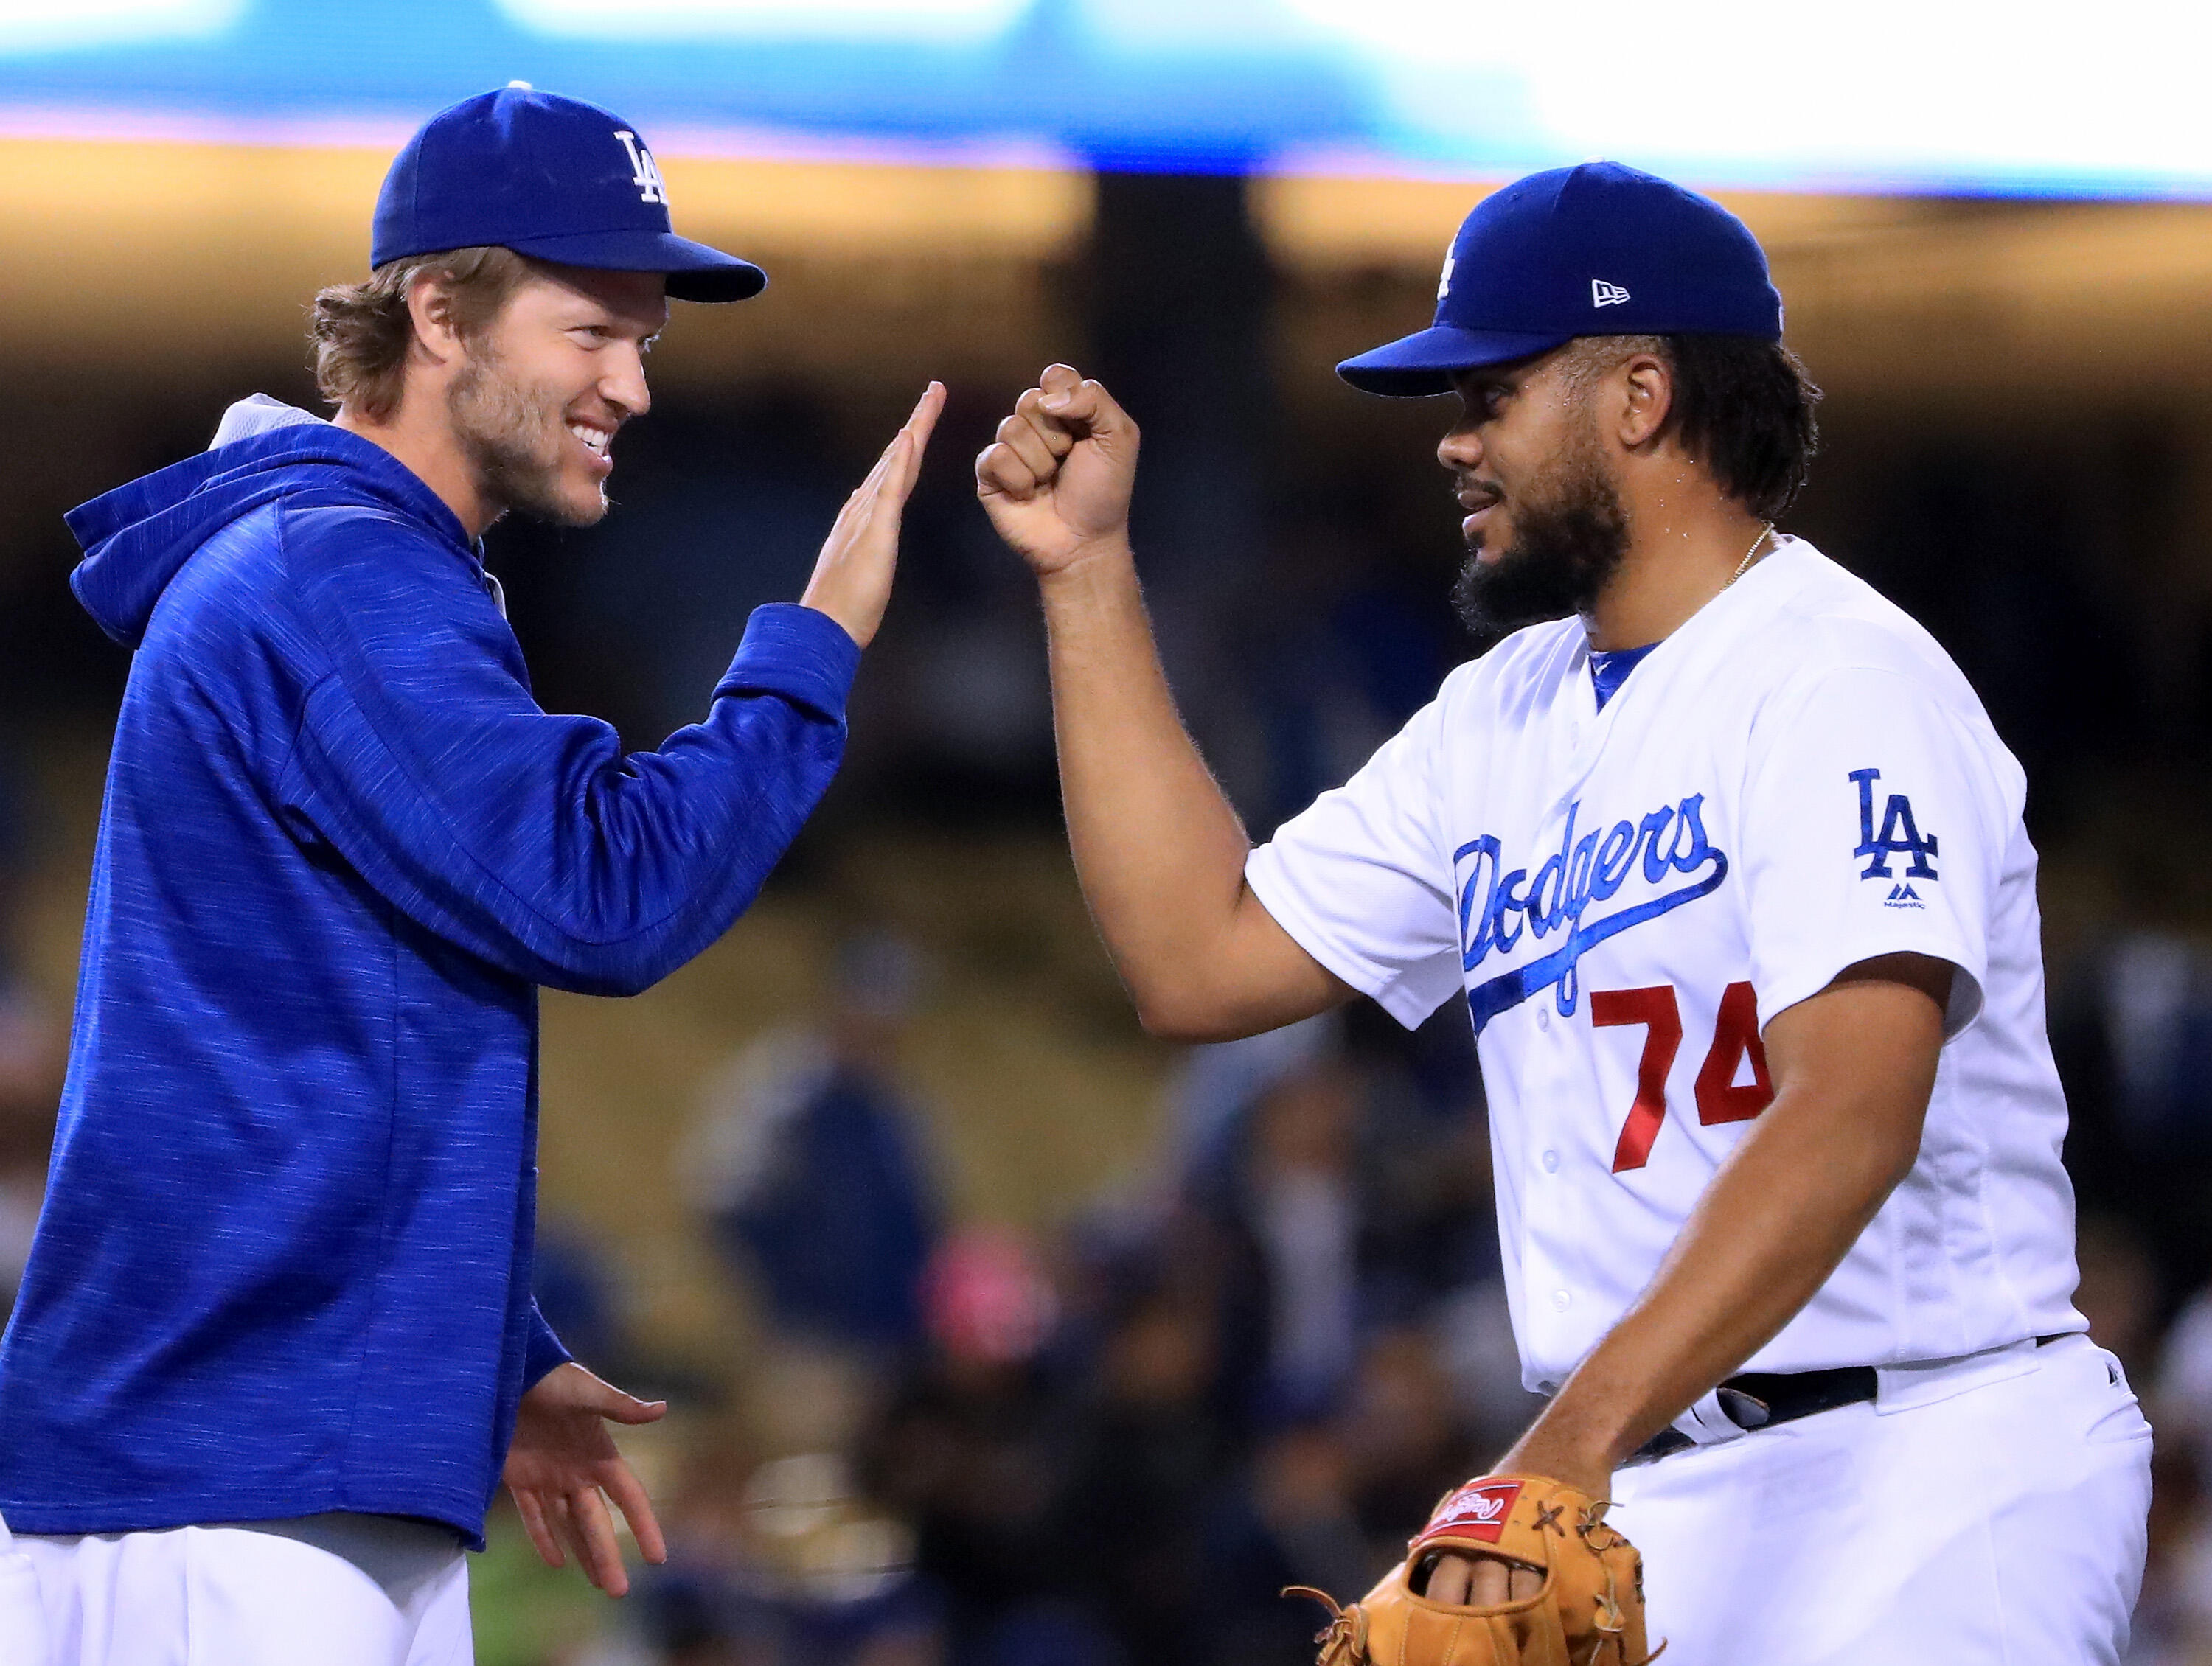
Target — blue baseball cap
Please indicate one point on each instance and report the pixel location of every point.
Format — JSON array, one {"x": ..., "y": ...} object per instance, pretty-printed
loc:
[
  {"x": 549, "y": 176},
  {"x": 1598, "y": 249}
]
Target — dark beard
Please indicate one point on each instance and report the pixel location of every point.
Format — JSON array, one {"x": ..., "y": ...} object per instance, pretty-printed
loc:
[
  {"x": 507, "y": 436},
  {"x": 1564, "y": 552}
]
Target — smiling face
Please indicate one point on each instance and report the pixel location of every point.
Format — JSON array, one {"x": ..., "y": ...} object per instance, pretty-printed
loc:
[
  {"x": 542, "y": 389},
  {"x": 1544, "y": 525}
]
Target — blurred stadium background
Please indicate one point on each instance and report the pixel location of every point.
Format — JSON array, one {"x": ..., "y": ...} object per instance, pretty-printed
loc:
[{"x": 997, "y": 1334}]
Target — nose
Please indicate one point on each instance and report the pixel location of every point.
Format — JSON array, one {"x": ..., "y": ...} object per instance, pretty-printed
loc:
[
  {"x": 623, "y": 384},
  {"x": 1461, "y": 449}
]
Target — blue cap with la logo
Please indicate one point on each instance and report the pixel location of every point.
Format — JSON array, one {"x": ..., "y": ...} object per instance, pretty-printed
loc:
[
  {"x": 552, "y": 178},
  {"x": 1598, "y": 249}
]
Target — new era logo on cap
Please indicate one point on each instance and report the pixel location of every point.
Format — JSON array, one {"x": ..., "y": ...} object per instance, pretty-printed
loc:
[{"x": 1606, "y": 294}]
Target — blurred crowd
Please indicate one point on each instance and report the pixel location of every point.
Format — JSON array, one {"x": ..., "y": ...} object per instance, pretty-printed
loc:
[
  {"x": 33, "y": 1043},
  {"x": 1115, "y": 1444}
]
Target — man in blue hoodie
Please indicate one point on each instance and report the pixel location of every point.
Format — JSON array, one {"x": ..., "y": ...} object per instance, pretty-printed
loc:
[{"x": 276, "y": 1343}]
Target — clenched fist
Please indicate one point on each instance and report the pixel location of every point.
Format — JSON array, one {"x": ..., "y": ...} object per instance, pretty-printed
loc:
[{"x": 1056, "y": 480}]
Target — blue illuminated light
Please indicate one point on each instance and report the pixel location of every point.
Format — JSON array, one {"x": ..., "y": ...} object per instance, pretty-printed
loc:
[
  {"x": 48, "y": 25},
  {"x": 1932, "y": 95},
  {"x": 959, "y": 22}
]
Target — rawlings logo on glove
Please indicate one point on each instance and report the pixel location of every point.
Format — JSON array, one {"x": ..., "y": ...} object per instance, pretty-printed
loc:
[
  {"x": 1477, "y": 1511},
  {"x": 1589, "y": 1612}
]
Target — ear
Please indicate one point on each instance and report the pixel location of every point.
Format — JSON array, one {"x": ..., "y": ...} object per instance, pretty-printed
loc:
[
  {"x": 1647, "y": 398},
  {"x": 430, "y": 304}
]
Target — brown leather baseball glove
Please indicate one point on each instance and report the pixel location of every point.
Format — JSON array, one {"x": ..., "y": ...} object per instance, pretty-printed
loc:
[{"x": 1589, "y": 1611}]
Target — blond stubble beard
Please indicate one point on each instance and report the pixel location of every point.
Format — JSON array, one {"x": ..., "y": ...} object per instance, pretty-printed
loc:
[{"x": 512, "y": 442}]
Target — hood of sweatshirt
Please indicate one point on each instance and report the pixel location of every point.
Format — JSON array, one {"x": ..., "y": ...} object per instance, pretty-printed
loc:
[{"x": 136, "y": 538}]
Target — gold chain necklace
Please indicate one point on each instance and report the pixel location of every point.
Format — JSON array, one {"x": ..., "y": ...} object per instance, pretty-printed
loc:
[{"x": 1744, "y": 566}]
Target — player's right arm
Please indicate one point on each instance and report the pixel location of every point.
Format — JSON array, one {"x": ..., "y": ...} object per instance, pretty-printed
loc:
[
  {"x": 1158, "y": 849},
  {"x": 530, "y": 839}
]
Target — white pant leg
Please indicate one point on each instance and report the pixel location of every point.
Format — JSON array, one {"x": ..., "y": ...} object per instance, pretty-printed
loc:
[
  {"x": 22, "y": 1614},
  {"x": 444, "y": 1634},
  {"x": 1991, "y": 1514},
  {"x": 233, "y": 1596}
]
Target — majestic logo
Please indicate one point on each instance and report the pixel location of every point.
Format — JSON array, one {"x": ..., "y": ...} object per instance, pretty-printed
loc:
[
  {"x": 1899, "y": 836},
  {"x": 1478, "y": 1510},
  {"x": 1495, "y": 906},
  {"x": 644, "y": 174},
  {"x": 1444, "y": 283},
  {"x": 1606, "y": 294}
]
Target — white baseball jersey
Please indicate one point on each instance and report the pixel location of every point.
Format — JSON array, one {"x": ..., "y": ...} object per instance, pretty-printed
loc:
[{"x": 1796, "y": 780}]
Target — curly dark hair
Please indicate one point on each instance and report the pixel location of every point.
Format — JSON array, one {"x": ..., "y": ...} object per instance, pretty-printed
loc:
[
  {"x": 1741, "y": 405},
  {"x": 361, "y": 331}
]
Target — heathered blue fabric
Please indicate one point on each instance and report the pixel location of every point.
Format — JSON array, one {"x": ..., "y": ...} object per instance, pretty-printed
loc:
[{"x": 283, "y": 1266}]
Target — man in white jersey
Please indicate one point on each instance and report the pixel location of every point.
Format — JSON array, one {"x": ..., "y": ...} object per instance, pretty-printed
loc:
[{"x": 1728, "y": 865}]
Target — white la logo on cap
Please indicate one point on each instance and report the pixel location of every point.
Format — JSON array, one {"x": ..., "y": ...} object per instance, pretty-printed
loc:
[
  {"x": 1444, "y": 283},
  {"x": 1606, "y": 294},
  {"x": 643, "y": 174}
]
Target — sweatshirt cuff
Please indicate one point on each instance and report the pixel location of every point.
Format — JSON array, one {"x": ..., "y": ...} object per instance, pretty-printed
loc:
[
  {"x": 800, "y": 652},
  {"x": 542, "y": 1353}
]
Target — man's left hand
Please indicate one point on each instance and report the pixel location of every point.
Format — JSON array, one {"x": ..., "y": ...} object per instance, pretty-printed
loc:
[
  {"x": 1486, "y": 1581},
  {"x": 562, "y": 1468}
]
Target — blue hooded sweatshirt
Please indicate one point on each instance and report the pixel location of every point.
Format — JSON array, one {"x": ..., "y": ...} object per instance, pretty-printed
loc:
[{"x": 283, "y": 1266}]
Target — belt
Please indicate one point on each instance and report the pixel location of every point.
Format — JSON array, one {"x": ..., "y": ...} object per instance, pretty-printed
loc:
[{"x": 1760, "y": 1399}]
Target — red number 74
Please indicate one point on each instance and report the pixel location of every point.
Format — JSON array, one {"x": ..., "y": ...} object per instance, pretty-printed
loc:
[{"x": 1735, "y": 1033}]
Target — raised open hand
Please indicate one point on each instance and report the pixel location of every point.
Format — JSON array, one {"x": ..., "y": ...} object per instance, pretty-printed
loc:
[
  {"x": 852, "y": 580},
  {"x": 1056, "y": 480},
  {"x": 562, "y": 1468}
]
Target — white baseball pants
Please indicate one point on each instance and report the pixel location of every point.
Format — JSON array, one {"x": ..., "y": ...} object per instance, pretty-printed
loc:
[
  {"x": 237, "y": 1596},
  {"x": 1985, "y": 1511}
]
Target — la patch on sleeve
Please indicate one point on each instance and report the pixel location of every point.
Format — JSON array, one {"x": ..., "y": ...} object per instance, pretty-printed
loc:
[{"x": 1900, "y": 836}]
